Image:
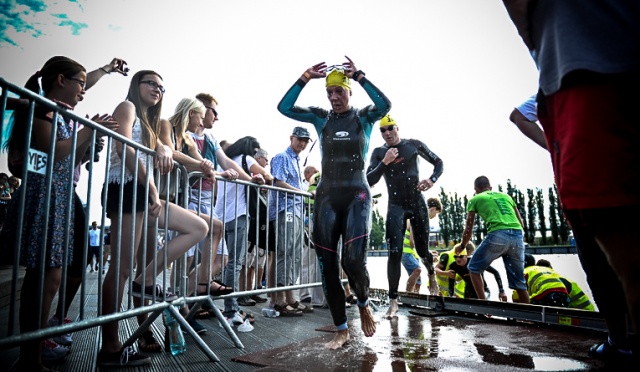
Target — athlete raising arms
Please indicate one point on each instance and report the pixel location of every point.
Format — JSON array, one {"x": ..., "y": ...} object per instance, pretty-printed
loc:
[{"x": 343, "y": 198}]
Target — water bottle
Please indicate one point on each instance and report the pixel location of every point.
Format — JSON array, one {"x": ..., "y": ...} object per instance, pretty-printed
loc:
[
  {"x": 270, "y": 313},
  {"x": 173, "y": 334}
]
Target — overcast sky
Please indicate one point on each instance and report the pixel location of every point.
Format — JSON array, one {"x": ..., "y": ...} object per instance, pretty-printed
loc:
[{"x": 453, "y": 70}]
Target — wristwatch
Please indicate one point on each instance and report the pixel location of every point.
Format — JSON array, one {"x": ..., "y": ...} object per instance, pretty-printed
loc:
[
  {"x": 357, "y": 74},
  {"x": 433, "y": 179}
]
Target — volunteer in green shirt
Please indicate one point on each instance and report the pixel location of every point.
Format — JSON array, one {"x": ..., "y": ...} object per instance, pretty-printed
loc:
[{"x": 504, "y": 238}]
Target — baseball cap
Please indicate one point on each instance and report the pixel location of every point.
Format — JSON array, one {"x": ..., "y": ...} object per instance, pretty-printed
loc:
[{"x": 301, "y": 132}]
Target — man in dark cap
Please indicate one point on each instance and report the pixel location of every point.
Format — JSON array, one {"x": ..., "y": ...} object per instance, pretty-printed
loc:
[{"x": 285, "y": 168}]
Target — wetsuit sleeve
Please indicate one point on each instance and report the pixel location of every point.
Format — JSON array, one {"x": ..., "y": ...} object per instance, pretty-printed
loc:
[
  {"x": 381, "y": 104},
  {"x": 376, "y": 168},
  {"x": 452, "y": 284},
  {"x": 287, "y": 107},
  {"x": 429, "y": 156},
  {"x": 496, "y": 274}
]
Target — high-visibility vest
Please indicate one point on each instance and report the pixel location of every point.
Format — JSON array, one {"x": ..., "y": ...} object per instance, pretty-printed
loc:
[
  {"x": 541, "y": 280},
  {"x": 443, "y": 280},
  {"x": 577, "y": 298},
  {"x": 406, "y": 246}
]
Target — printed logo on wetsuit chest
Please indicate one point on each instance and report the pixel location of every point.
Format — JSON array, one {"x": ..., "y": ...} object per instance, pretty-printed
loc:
[{"x": 341, "y": 136}]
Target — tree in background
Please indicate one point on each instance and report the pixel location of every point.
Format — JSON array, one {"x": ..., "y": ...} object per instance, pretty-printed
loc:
[
  {"x": 564, "y": 226},
  {"x": 554, "y": 223},
  {"x": 444, "y": 218},
  {"x": 518, "y": 198},
  {"x": 377, "y": 230},
  {"x": 453, "y": 218},
  {"x": 531, "y": 213},
  {"x": 542, "y": 224},
  {"x": 458, "y": 218}
]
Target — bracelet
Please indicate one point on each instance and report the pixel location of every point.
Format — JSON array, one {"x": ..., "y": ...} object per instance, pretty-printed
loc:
[
  {"x": 105, "y": 71},
  {"x": 306, "y": 74},
  {"x": 357, "y": 74}
]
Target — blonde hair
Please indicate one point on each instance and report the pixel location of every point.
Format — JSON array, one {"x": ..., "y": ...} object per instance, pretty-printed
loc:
[{"x": 180, "y": 120}]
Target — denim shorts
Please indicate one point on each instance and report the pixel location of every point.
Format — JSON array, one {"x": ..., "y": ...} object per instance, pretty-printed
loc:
[
  {"x": 507, "y": 244},
  {"x": 410, "y": 262}
]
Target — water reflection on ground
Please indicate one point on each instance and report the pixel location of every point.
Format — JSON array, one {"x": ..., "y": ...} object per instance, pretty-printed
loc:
[{"x": 439, "y": 343}]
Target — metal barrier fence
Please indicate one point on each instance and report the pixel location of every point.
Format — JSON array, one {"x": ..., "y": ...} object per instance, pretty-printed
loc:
[{"x": 39, "y": 167}]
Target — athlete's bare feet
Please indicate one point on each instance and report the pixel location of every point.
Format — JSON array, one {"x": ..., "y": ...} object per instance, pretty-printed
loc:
[
  {"x": 341, "y": 338},
  {"x": 393, "y": 308},
  {"x": 433, "y": 285},
  {"x": 367, "y": 322}
]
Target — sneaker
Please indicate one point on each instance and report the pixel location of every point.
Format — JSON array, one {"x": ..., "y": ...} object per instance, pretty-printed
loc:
[
  {"x": 126, "y": 357},
  {"x": 246, "y": 301},
  {"x": 64, "y": 340},
  {"x": 197, "y": 326},
  {"x": 136, "y": 291},
  {"x": 52, "y": 352}
]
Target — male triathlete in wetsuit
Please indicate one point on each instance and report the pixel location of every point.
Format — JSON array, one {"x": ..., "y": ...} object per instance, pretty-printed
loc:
[
  {"x": 343, "y": 199},
  {"x": 397, "y": 161}
]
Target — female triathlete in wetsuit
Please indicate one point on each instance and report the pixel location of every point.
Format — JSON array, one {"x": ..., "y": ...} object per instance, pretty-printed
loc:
[{"x": 343, "y": 199}]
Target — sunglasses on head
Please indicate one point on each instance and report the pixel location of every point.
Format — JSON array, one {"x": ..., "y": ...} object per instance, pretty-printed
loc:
[
  {"x": 460, "y": 256},
  {"x": 334, "y": 67},
  {"x": 389, "y": 128}
]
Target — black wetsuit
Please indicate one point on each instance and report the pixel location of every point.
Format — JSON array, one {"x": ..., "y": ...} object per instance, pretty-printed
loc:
[
  {"x": 469, "y": 291},
  {"x": 343, "y": 199},
  {"x": 405, "y": 202}
]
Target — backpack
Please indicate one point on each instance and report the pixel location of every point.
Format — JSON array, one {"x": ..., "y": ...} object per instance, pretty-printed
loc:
[{"x": 258, "y": 213}]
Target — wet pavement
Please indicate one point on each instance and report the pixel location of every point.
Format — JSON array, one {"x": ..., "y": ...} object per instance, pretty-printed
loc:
[{"x": 439, "y": 343}]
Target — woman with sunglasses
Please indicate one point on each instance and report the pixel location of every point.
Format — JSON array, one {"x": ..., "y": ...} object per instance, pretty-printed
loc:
[
  {"x": 139, "y": 117},
  {"x": 63, "y": 81},
  {"x": 343, "y": 198}
]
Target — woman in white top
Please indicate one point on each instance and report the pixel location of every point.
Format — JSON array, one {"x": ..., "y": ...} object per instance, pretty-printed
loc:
[{"x": 138, "y": 118}]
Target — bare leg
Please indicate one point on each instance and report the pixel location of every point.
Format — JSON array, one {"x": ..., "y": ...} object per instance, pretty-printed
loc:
[
  {"x": 110, "y": 304},
  {"x": 393, "y": 308},
  {"x": 413, "y": 279},
  {"x": 191, "y": 228},
  {"x": 478, "y": 286}
]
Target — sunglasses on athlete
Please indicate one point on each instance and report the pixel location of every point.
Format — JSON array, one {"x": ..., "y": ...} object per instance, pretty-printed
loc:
[{"x": 390, "y": 129}]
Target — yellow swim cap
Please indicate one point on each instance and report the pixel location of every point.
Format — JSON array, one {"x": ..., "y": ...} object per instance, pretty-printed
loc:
[
  {"x": 386, "y": 121},
  {"x": 337, "y": 77}
]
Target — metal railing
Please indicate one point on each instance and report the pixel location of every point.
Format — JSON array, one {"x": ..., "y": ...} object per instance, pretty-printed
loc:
[{"x": 42, "y": 171}]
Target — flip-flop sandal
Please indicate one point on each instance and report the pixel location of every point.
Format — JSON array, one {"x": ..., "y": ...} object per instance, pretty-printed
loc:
[
  {"x": 246, "y": 316},
  {"x": 220, "y": 291},
  {"x": 298, "y": 306},
  {"x": 287, "y": 310},
  {"x": 147, "y": 342}
]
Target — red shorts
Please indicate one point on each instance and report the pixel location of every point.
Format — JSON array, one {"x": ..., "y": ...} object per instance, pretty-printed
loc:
[{"x": 593, "y": 132}]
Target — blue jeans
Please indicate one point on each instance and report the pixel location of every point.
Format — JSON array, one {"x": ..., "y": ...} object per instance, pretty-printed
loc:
[
  {"x": 236, "y": 245},
  {"x": 507, "y": 244},
  {"x": 410, "y": 263}
]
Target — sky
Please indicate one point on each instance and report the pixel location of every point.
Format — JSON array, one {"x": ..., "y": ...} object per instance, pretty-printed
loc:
[{"x": 453, "y": 70}]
